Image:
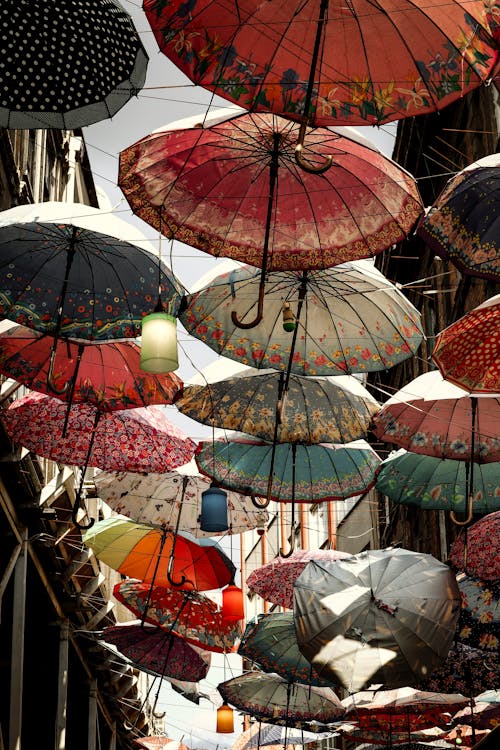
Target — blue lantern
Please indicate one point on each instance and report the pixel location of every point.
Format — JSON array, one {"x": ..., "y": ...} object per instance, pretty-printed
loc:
[{"x": 213, "y": 515}]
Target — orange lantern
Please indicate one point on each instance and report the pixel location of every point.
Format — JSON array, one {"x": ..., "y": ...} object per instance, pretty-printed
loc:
[
  {"x": 232, "y": 603},
  {"x": 225, "y": 719}
]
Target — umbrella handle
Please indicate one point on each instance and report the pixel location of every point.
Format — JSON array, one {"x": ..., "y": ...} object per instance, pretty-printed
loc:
[
  {"x": 292, "y": 547},
  {"x": 302, "y": 161},
  {"x": 470, "y": 514},
  {"x": 260, "y": 309},
  {"x": 50, "y": 376},
  {"x": 257, "y": 504}
]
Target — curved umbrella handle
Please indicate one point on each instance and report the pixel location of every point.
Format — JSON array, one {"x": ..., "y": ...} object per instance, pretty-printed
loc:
[
  {"x": 76, "y": 508},
  {"x": 470, "y": 514},
  {"x": 50, "y": 376},
  {"x": 175, "y": 583},
  {"x": 258, "y": 504},
  {"x": 302, "y": 161},
  {"x": 292, "y": 546},
  {"x": 260, "y": 311}
]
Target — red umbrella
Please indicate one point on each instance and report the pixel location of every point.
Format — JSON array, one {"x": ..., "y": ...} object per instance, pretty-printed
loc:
[
  {"x": 191, "y": 615},
  {"x": 477, "y": 551}
]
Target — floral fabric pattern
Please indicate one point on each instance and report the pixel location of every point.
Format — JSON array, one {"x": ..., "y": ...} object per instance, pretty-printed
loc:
[
  {"x": 477, "y": 551},
  {"x": 479, "y": 623}
]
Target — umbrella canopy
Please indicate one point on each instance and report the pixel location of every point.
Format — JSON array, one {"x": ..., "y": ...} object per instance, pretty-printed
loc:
[
  {"x": 268, "y": 696},
  {"x": 105, "y": 374},
  {"x": 209, "y": 181},
  {"x": 189, "y": 614},
  {"x": 468, "y": 352},
  {"x": 127, "y": 440},
  {"x": 274, "y": 581},
  {"x": 162, "y": 654},
  {"x": 466, "y": 670},
  {"x": 159, "y": 500},
  {"x": 108, "y": 64},
  {"x": 264, "y": 404},
  {"x": 263, "y": 57},
  {"x": 436, "y": 418},
  {"x": 381, "y": 616},
  {"x": 351, "y": 319},
  {"x": 481, "y": 715},
  {"x": 476, "y": 551},
  {"x": 289, "y": 472},
  {"x": 261, "y": 734},
  {"x": 479, "y": 623},
  {"x": 70, "y": 270},
  {"x": 467, "y": 735},
  {"x": 154, "y": 741},
  {"x": 159, "y": 556},
  {"x": 439, "y": 483},
  {"x": 463, "y": 223}
]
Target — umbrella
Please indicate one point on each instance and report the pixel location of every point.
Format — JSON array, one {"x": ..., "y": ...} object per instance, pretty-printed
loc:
[
  {"x": 481, "y": 715},
  {"x": 439, "y": 483},
  {"x": 261, "y": 734},
  {"x": 159, "y": 556},
  {"x": 466, "y": 670},
  {"x": 463, "y": 223},
  {"x": 268, "y": 696},
  {"x": 270, "y": 643},
  {"x": 327, "y": 63},
  {"x": 158, "y": 499},
  {"x": 468, "y": 352},
  {"x": 476, "y": 551},
  {"x": 154, "y": 741},
  {"x": 189, "y": 614},
  {"x": 479, "y": 623},
  {"x": 105, "y": 374},
  {"x": 289, "y": 472},
  {"x": 381, "y": 616},
  {"x": 93, "y": 62},
  {"x": 274, "y": 581},
  {"x": 351, "y": 319},
  {"x": 153, "y": 650},
  {"x": 70, "y": 270},
  {"x": 467, "y": 735},
  {"x": 310, "y": 410},
  {"x": 229, "y": 185}
]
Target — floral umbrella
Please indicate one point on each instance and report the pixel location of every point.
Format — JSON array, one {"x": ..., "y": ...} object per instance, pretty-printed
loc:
[
  {"x": 468, "y": 352},
  {"x": 439, "y": 483},
  {"x": 156, "y": 741},
  {"x": 189, "y": 614},
  {"x": 466, "y": 670},
  {"x": 270, "y": 643},
  {"x": 261, "y": 734},
  {"x": 159, "y": 556},
  {"x": 463, "y": 223},
  {"x": 274, "y": 581},
  {"x": 323, "y": 62},
  {"x": 163, "y": 499},
  {"x": 266, "y": 404},
  {"x": 269, "y": 697},
  {"x": 289, "y": 472},
  {"x": 381, "y": 616},
  {"x": 481, "y": 715},
  {"x": 474, "y": 552},
  {"x": 349, "y": 319},
  {"x": 162, "y": 654},
  {"x": 479, "y": 623},
  {"x": 105, "y": 374},
  {"x": 467, "y": 735},
  {"x": 108, "y": 63}
]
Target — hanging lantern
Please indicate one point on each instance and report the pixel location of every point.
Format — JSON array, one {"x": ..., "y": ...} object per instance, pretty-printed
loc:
[
  {"x": 232, "y": 603},
  {"x": 159, "y": 343},
  {"x": 225, "y": 719},
  {"x": 213, "y": 515},
  {"x": 289, "y": 322}
]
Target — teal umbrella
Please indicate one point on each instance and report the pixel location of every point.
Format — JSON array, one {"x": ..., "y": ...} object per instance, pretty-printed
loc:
[{"x": 439, "y": 483}]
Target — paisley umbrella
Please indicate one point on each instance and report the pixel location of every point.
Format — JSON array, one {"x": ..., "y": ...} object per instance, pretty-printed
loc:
[
  {"x": 162, "y": 654},
  {"x": 193, "y": 616},
  {"x": 463, "y": 223},
  {"x": 381, "y": 616},
  {"x": 439, "y": 483},
  {"x": 348, "y": 319},
  {"x": 268, "y": 696},
  {"x": 270, "y": 643},
  {"x": 163, "y": 499},
  {"x": 476, "y": 551},
  {"x": 159, "y": 556},
  {"x": 274, "y": 581},
  {"x": 263, "y": 403},
  {"x": 468, "y": 351},
  {"x": 74, "y": 84}
]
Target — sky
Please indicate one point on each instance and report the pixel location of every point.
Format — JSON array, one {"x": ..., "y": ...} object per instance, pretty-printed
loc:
[{"x": 168, "y": 96}]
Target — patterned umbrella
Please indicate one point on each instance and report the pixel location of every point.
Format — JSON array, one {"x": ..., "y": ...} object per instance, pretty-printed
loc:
[
  {"x": 162, "y": 654},
  {"x": 349, "y": 319},
  {"x": 468, "y": 352},
  {"x": 261, "y": 734},
  {"x": 271, "y": 644},
  {"x": 193, "y": 616},
  {"x": 159, "y": 556},
  {"x": 324, "y": 62},
  {"x": 467, "y": 735},
  {"x": 434, "y": 417},
  {"x": 381, "y": 616},
  {"x": 161, "y": 499},
  {"x": 274, "y": 581},
  {"x": 269, "y": 697},
  {"x": 289, "y": 472},
  {"x": 268, "y": 405},
  {"x": 463, "y": 223},
  {"x": 154, "y": 741},
  {"x": 481, "y": 715},
  {"x": 466, "y": 670},
  {"x": 74, "y": 84},
  {"x": 476, "y": 551},
  {"x": 439, "y": 483},
  {"x": 479, "y": 623}
]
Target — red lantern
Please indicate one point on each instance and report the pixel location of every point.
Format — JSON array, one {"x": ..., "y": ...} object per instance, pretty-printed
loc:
[{"x": 232, "y": 603}]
